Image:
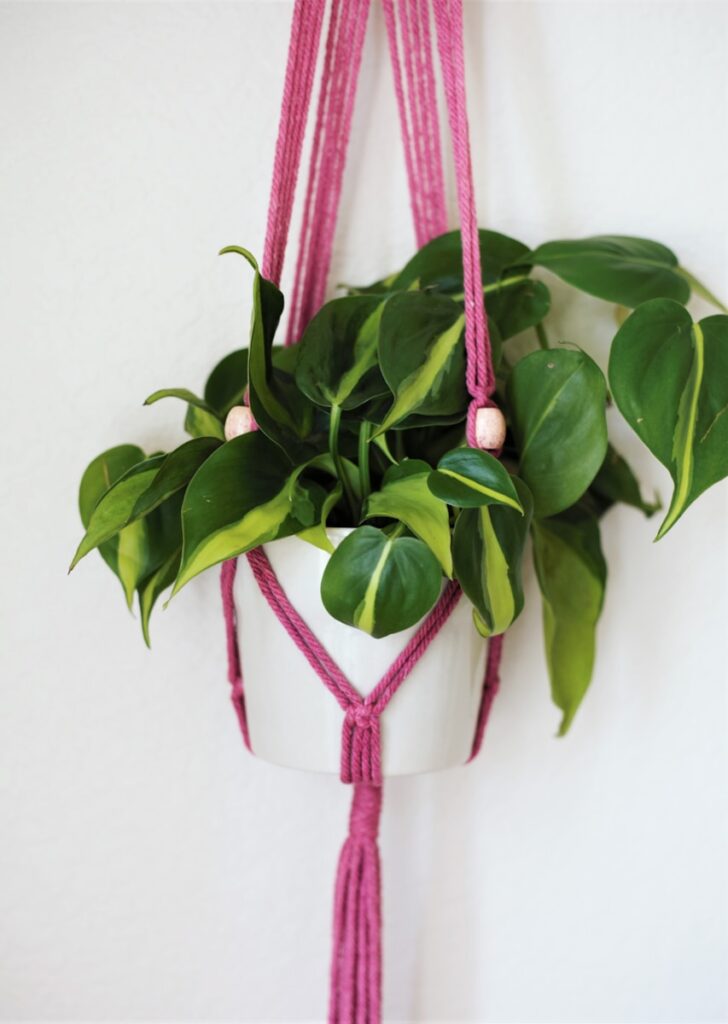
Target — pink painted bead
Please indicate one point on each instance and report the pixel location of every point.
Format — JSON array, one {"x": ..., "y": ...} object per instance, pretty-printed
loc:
[
  {"x": 490, "y": 428},
  {"x": 238, "y": 421}
]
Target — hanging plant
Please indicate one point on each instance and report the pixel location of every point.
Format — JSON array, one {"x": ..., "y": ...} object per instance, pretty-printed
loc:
[{"x": 361, "y": 424}]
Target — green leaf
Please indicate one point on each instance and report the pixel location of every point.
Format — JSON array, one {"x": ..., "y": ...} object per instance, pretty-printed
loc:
[
  {"x": 279, "y": 408},
  {"x": 158, "y": 556},
  {"x": 439, "y": 264},
  {"x": 174, "y": 473},
  {"x": 244, "y": 495},
  {"x": 153, "y": 587},
  {"x": 422, "y": 356},
  {"x": 572, "y": 576},
  {"x": 380, "y": 583},
  {"x": 557, "y": 403},
  {"x": 469, "y": 478},
  {"x": 617, "y": 268},
  {"x": 669, "y": 378},
  {"x": 317, "y": 534},
  {"x": 184, "y": 394},
  {"x": 144, "y": 545},
  {"x": 228, "y": 382},
  {"x": 487, "y": 553},
  {"x": 200, "y": 420},
  {"x": 516, "y": 303},
  {"x": 114, "y": 509},
  {"x": 99, "y": 476},
  {"x": 337, "y": 364},
  {"x": 404, "y": 495},
  {"x": 615, "y": 482}
]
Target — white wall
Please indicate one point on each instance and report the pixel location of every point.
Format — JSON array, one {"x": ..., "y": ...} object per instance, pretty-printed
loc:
[{"x": 151, "y": 869}]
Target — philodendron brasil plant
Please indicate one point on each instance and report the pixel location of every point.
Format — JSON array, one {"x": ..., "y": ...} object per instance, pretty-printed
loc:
[{"x": 361, "y": 424}]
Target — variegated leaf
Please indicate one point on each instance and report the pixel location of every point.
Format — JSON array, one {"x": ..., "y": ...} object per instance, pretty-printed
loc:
[
  {"x": 468, "y": 478},
  {"x": 487, "y": 554},
  {"x": 404, "y": 495},
  {"x": 337, "y": 365},
  {"x": 669, "y": 377},
  {"x": 380, "y": 583},
  {"x": 244, "y": 495},
  {"x": 422, "y": 356}
]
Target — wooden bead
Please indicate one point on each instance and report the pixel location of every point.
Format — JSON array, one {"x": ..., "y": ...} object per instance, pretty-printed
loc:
[
  {"x": 238, "y": 421},
  {"x": 490, "y": 428}
]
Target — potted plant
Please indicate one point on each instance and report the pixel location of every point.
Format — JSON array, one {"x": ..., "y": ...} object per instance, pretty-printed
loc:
[{"x": 359, "y": 483}]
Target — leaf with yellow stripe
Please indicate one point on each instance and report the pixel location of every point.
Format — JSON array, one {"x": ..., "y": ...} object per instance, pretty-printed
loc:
[
  {"x": 405, "y": 495},
  {"x": 422, "y": 356},
  {"x": 380, "y": 582},
  {"x": 468, "y": 478},
  {"x": 247, "y": 493},
  {"x": 669, "y": 378},
  {"x": 487, "y": 549}
]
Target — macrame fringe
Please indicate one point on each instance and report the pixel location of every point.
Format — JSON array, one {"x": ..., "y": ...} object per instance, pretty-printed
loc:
[{"x": 356, "y": 965}]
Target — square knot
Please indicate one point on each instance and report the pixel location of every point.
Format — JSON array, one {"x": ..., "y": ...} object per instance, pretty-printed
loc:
[
  {"x": 361, "y": 716},
  {"x": 361, "y": 757}
]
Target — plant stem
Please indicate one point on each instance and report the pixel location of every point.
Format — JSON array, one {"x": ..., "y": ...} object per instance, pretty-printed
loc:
[
  {"x": 543, "y": 338},
  {"x": 334, "y": 424},
  {"x": 364, "y": 479}
]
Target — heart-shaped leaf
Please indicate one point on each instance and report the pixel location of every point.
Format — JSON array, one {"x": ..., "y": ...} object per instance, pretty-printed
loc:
[
  {"x": 468, "y": 478},
  {"x": 669, "y": 378},
  {"x": 404, "y": 495},
  {"x": 228, "y": 382},
  {"x": 557, "y": 403},
  {"x": 157, "y": 553},
  {"x": 244, "y": 494},
  {"x": 617, "y": 268},
  {"x": 572, "y": 576},
  {"x": 422, "y": 356},
  {"x": 487, "y": 554},
  {"x": 337, "y": 364},
  {"x": 439, "y": 264},
  {"x": 380, "y": 583}
]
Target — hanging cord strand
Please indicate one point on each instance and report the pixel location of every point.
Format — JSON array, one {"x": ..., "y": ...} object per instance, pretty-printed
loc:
[
  {"x": 480, "y": 375},
  {"x": 297, "y": 89},
  {"x": 414, "y": 86},
  {"x": 340, "y": 76}
]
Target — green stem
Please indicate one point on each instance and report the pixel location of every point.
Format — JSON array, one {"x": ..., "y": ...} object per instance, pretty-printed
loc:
[
  {"x": 543, "y": 338},
  {"x": 364, "y": 478},
  {"x": 334, "y": 424}
]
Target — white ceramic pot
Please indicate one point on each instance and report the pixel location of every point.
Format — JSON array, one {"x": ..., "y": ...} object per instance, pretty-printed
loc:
[{"x": 295, "y": 721}]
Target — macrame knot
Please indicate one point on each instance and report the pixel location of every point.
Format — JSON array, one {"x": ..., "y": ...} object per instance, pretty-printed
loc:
[
  {"x": 356, "y": 972},
  {"x": 361, "y": 754}
]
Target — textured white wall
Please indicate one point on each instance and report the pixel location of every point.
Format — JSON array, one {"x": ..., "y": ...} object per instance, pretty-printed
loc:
[{"x": 149, "y": 868}]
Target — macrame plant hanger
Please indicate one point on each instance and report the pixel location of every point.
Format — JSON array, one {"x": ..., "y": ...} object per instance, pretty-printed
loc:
[{"x": 355, "y": 994}]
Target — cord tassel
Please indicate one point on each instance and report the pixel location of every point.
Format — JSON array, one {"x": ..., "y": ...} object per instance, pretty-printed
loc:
[{"x": 356, "y": 965}]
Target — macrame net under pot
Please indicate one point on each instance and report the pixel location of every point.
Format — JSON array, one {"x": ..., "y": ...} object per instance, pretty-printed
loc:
[{"x": 364, "y": 725}]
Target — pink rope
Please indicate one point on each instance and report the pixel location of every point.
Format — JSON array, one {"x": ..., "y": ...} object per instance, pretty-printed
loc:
[
  {"x": 356, "y": 977},
  {"x": 480, "y": 375},
  {"x": 297, "y": 88},
  {"x": 415, "y": 93},
  {"x": 342, "y": 62}
]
